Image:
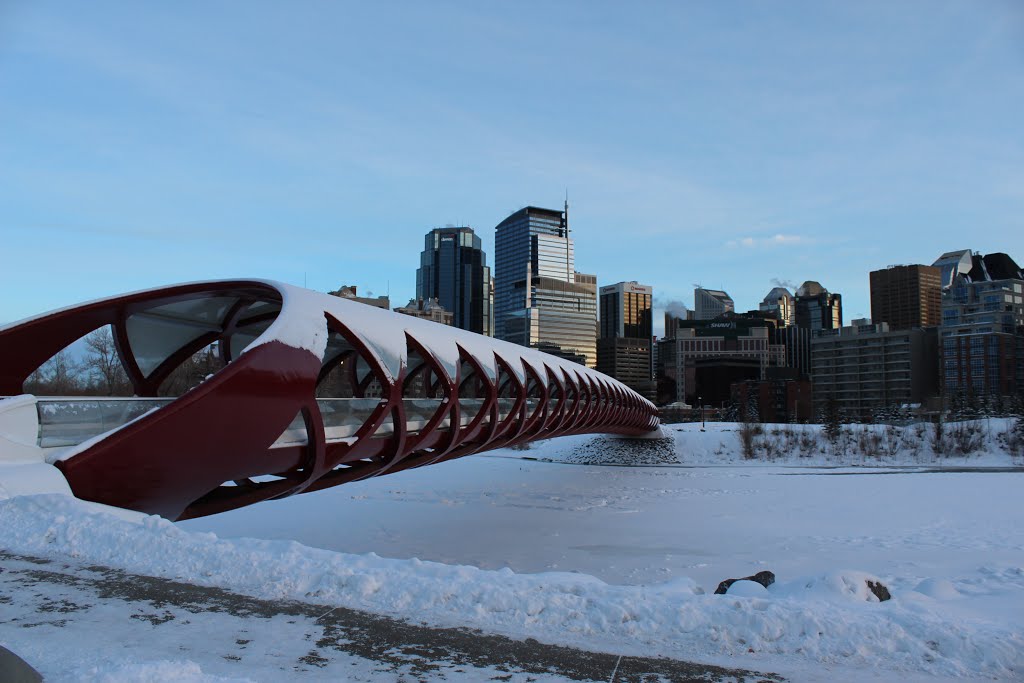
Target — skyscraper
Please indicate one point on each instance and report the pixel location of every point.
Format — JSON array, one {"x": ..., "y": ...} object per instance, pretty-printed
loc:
[
  {"x": 779, "y": 303},
  {"x": 624, "y": 346},
  {"x": 982, "y": 331},
  {"x": 816, "y": 309},
  {"x": 954, "y": 263},
  {"x": 906, "y": 297},
  {"x": 711, "y": 303},
  {"x": 537, "y": 300},
  {"x": 453, "y": 269}
]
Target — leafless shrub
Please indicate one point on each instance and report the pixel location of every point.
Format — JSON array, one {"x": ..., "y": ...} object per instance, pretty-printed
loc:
[
  {"x": 869, "y": 443},
  {"x": 809, "y": 443},
  {"x": 939, "y": 441},
  {"x": 789, "y": 438},
  {"x": 771, "y": 445},
  {"x": 748, "y": 431},
  {"x": 966, "y": 438},
  {"x": 842, "y": 441},
  {"x": 1013, "y": 438},
  {"x": 892, "y": 440}
]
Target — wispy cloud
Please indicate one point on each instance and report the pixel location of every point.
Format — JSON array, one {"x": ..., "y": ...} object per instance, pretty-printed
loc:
[{"x": 777, "y": 240}]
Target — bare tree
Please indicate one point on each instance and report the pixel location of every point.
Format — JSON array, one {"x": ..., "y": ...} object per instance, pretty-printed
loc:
[
  {"x": 102, "y": 362},
  {"x": 192, "y": 372},
  {"x": 104, "y": 365},
  {"x": 59, "y": 376}
]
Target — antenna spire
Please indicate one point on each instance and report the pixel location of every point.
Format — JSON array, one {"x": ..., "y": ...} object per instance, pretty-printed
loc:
[
  {"x": 570, "y": 276},
  {"x": 567, "y": 212}
]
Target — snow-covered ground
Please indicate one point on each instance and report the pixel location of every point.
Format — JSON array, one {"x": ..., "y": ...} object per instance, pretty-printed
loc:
[{"x": 544, "y": 543}]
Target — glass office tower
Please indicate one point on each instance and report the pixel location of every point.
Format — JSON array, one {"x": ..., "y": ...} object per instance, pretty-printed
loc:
[
  {"x": 816, "y": 309},
  {"x": 538, "y": 301},
  {"x": 624, "y": 347},
  {"x": 453, "y": 269}
]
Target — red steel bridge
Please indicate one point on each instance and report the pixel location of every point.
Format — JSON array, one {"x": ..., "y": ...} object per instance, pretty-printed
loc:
[{"x": 307, "y": 391}]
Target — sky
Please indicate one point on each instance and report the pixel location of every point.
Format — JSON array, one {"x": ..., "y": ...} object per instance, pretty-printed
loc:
[{"x": 738, "y": 145}]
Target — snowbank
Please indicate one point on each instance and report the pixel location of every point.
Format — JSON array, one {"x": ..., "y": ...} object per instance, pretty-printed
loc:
[
  {"x": 828, "y": 619},
  {"x": 976, "y": 443}
]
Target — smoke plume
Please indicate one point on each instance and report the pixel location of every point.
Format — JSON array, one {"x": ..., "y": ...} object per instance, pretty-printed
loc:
[{"x": 788, "y": 284}]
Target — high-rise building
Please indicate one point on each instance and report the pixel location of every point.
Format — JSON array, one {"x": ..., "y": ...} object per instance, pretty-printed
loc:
[
  {"x": 953, "y": 263},
  {"x": 698, "y": 360},
  {"x": 453, "y": 269},
  {"x": 816, "y": 309},
  {"x": 983, "y": 327},
  {"x": 626, "y": 310},
  {"x": 538, "y": 301},
  {"x": 711, "y": 303},
  {"x": 587, "y": 281},
  {"x": 779, "y": 304},
  {"x": 868, "y": 368},
  {"x": 906, "y": 297},
  {"x": 624, "y": 345}
]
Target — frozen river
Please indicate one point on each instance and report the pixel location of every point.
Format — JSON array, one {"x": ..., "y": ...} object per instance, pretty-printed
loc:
[
  {"x": 643, "y": 525},
  {"x": 510, "y": 542}
]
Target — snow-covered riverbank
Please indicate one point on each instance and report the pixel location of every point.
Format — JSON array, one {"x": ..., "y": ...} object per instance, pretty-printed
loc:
[{"x": 623, "y": 559}]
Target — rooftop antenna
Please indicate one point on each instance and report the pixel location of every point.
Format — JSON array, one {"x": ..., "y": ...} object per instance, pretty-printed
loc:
[
  {"x": 567, "y": 212},
  {"x": 569, "y": 275}
]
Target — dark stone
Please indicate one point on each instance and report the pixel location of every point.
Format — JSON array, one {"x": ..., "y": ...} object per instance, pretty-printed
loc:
[
  {"x": 764, "y": 578},
  {"x": 879, "y": 589},
  {"x": 14, "y": 669}
]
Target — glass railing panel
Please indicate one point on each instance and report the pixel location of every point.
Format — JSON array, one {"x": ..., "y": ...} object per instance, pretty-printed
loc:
[
  {"x": 386, "y": 428},
  {"x": 505, "y": 406},
  {"x": 469, "y": 408},
  {"x": 294, "y": 434},
  {"x": 69, "y": 422},
  {"x": 531, "y": 406},
  {"x": 344, "y": 416},
  {"x": 418, "y": 412}
]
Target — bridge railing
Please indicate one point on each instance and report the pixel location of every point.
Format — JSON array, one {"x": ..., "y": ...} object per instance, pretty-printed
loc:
[{"x": 69, "y": 421}]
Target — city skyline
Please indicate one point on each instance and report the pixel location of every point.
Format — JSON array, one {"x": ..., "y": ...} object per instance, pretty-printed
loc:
[{"x": 736, "y": 146}]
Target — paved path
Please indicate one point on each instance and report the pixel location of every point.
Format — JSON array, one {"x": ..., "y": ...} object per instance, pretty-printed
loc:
[{"x": 61, "y": 595}]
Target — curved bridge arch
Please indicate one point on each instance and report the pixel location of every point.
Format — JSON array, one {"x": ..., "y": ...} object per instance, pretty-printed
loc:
[{"x": 314, "y": 391}]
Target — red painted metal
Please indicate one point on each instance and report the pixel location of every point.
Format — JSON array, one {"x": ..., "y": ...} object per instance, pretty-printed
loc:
[
  {"x": 173, "y": 456},
  {"x": 212, "y": 449}
]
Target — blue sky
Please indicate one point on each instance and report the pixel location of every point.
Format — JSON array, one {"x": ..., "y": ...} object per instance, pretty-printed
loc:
[{"x": 733, "y": 144}]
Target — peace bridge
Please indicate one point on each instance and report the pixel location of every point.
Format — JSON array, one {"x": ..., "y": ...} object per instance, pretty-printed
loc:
[{"x": 309, "y": 391}]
